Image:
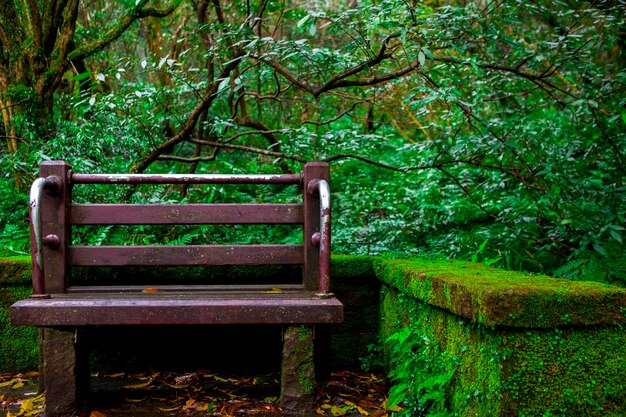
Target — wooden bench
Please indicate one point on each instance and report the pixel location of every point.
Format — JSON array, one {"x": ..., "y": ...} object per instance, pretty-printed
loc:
[{"x": 64, "y": 310}]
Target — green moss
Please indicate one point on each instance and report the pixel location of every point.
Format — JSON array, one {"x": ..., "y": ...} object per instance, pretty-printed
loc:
[
  {"x": 514, "y": 371},
  {"x": 306, "y": 373},
  {"x": 503, "y": 298},
  {"x": 576, "y": 371},
  {"x": 18, "y": 345},
  {"x": 15, "y": 270}
]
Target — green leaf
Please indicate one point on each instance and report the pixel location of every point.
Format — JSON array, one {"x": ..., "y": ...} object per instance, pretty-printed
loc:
[
  {"x": 421, "y": 58},
  {"x": 598, "y": 248},
  {"x": 85, "y": 75},
  {"x": 303, "y": 20},
  {"x": 616, "y": 236}
]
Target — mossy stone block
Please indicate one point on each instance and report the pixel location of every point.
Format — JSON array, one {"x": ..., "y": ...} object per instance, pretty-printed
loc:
[
  {"x": 495, "y": 297},
  {"x": 15, "y": 270},
  {"x": 506, "y": 372},
  {"x": 18, "y": 345}
]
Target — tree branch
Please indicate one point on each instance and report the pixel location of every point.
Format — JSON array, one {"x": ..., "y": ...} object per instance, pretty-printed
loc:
[
  {"x": 339, "y": 80},
  {"x": 193, "y": 160},
  {"x": 339, "y": 116},
  {"x": 248, "y": 149},
  {"x": 190, "y": 123},
  {"x": 61, "y": 45},
  {"x": 138, "y": 12}
]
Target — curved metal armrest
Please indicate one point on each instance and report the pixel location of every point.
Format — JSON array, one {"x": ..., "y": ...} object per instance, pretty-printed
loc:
[
  {"x": 53, "y": 185},
  {"x": 322, "y": 238}
]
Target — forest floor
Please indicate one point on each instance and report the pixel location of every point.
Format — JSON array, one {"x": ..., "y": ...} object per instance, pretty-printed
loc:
[{"x": 157, "y": 394}]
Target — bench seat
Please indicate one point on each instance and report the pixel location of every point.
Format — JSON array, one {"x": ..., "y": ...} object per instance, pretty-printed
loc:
[{"x": 176, "y": 307}]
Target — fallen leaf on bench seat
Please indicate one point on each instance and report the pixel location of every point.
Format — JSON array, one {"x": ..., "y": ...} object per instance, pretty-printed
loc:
[
  {"x": 97, "y": 414},
  {"x": 273, "y": 291},
  {"x": 151, "y": 290}
]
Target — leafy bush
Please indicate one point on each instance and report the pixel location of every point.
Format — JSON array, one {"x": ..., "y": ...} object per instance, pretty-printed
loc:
[{"x": 420, "y": 382}]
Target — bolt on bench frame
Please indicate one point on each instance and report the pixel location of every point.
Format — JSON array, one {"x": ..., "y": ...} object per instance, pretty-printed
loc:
[{"x": 63, "y": 310}]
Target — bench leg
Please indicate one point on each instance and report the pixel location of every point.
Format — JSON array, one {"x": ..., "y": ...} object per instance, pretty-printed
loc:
[
  {"x": 298, "y": 369},
  {"x": 65, "y": 372}
]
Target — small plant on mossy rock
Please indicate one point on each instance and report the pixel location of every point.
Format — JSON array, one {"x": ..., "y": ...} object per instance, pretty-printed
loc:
[{"x": 421, "y": 376}]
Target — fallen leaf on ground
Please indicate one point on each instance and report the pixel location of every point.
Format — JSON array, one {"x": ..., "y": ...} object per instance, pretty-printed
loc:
[
  {"x": 17, "y": 385},
  {"x": 139, "y": 386},
  {"x": 135, "y": 400},
  {"x": 337, "y": 411},
  {"x": 7, "y": 383},
  {"x": 170, "y": 409}
]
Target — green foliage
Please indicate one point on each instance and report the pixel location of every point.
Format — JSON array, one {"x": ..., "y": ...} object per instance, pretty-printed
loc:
[
  {"x": 485, "y": 131},
  {"x": 420, "y": 374},
  {"x": 589, "y": 265}
]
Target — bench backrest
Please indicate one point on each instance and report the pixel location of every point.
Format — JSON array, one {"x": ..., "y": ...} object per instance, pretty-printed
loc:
[{"x": 53, "y": 213}]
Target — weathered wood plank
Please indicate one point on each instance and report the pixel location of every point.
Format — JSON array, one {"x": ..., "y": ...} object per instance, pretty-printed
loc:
[
  {"x": 126, "y": 214},
  {"x": 184, "y": 255},
  {"x": 112, "y": 290},
  {"x": 182, "y": 308},
  {"x": 53, "y": 223}
]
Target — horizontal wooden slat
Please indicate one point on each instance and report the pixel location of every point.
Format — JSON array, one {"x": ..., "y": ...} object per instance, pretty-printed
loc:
[
  {"x": 177, "y": 308},
  {"x": 126, "y": 289},
  {"x": 185, "y": 255},
  {"x": 186, "y": 214}
]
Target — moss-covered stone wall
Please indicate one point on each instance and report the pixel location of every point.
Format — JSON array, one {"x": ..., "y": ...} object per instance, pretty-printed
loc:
[
  {"x": 515, "y": 345},
  {"x": 18, "y": 345}
]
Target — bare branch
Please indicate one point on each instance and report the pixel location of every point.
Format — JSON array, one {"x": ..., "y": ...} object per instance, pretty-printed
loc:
[
  {"x": 249, "y": 149},
  {"x": 538, "y": 79},
  {"x": 253, "y": 132},
  {"x": 193, "y": 160},
  {"x": 339, "y": 116}
]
